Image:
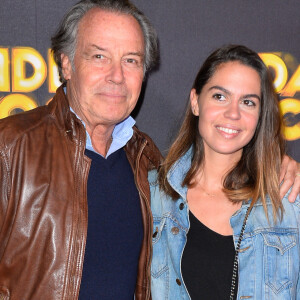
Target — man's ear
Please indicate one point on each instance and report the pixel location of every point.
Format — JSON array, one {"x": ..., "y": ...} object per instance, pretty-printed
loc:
[
  {"x": 194, "y": 102},
  {"x": 66, "y": 66}
]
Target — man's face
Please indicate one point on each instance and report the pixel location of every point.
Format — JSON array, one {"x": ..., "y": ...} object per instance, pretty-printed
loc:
[{"x": 105, "y": 83}]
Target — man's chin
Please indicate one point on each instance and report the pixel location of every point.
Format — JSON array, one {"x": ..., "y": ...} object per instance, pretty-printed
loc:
[{"x": 110, "y": 119}]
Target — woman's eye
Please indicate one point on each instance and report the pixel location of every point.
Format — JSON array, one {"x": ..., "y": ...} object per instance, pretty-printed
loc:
[
  {"x": 219, "y": 97},
  {"x": 248, "y": 102}
]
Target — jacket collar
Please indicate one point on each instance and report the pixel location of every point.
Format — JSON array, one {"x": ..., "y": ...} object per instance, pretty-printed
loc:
[
  {"x": 67, "y": 121},
  {"x": 141, "y": 141},
  {"x": 178, "y": 172}
]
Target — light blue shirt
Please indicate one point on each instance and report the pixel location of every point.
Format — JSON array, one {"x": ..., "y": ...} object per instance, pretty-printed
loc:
[{"x": 122, "y": 133}]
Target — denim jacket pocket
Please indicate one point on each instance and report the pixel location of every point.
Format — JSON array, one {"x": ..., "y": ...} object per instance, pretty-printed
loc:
[
  {"x": 159, "y": 262},
  {"x": 277, "y": 258},
  {"x": 159, "y": 265}
]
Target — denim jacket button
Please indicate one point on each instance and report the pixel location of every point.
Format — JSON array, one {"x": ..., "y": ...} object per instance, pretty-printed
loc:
[
  {"x": 154, "y": 234},
  {"x": 175, "y": 230},
  {"x": 178, "y": 281},
  {"x": 181, "y": 206}
]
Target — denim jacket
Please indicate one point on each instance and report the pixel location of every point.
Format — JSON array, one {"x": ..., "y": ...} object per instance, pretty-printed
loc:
[{"x": 269, "y": 253}]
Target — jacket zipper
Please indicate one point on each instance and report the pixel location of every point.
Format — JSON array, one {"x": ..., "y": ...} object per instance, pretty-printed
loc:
[
  {"x": 150, "y": 220},
  {"x": 137, "y": 168},
  {"x": 78, "y": 255},
  {"x": 81, "y": 250}
]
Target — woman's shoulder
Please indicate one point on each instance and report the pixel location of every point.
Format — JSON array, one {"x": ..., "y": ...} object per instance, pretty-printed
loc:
[
  {"x": 291, "y": 206},
  {"x": 289, "y": 216},
  {"x": 153, "y": 177},
  {"x": 157, "y": 196},
  {"x": 161, "y": 203},
  {"x": 153, "y": 184}
]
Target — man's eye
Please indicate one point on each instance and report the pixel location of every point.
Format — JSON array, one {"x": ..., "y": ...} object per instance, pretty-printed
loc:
[
  {"x": 131, "y": 60},
  {"x": 99, "y": 56}
]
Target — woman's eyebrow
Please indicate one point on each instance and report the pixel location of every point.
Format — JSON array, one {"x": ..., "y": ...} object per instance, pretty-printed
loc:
[{"x": 217, "y": 87}]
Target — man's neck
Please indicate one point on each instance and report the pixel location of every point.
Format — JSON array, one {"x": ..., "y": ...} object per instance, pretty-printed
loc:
[{"x": 101, "y": 137}]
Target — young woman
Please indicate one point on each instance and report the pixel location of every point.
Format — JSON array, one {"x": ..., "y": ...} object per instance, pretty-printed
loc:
[{"x": 221, "y": 230}]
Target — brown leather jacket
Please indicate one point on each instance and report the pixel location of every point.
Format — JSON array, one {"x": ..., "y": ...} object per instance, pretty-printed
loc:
[{"x": 43, "y": 204}]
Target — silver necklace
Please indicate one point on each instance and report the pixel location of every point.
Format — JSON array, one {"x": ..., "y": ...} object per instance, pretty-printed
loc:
[{"x": 236, "y": 256}]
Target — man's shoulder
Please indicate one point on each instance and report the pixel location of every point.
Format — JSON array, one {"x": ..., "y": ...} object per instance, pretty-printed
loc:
[
  {"x": 13, "y": 127},
  {"x": 150, "y": 145},
  {"x": 138, "y": 134},
  {"x": 142, "y": 141}
]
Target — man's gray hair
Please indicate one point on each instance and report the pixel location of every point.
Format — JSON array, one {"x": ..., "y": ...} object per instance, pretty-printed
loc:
[{"x": 64, "y": 40}]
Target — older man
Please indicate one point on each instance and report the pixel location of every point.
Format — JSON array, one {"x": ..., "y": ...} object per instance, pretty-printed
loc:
[{"x": 75, "y": 217}]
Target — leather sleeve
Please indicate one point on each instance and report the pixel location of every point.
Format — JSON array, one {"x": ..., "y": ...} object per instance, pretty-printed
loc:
[{"x": 4, "y": 191}]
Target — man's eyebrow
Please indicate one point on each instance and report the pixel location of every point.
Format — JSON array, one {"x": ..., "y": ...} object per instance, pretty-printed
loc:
[
  {"x": 137, "y": 53},
  {"x": 97, "y": 47},
  {"x": 217, "y": 87}
]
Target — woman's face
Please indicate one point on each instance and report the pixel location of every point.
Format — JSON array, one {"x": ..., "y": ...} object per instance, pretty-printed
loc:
[{"x": 228, "y": 108}]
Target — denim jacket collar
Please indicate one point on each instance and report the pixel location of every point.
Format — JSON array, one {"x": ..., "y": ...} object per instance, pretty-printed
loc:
[{"x": 178, "y": 172}]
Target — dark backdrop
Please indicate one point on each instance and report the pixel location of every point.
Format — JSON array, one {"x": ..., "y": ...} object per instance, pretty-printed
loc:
[{"x": 188, "y": 31}]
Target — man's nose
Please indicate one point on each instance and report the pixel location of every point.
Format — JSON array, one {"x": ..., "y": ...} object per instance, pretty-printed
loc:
[
  {"x": 116, "y": 74},
  {"x": 233, "y": 110}
]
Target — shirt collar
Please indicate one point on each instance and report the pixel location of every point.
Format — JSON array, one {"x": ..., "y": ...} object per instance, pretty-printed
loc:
[{"x": 122, "y": 133}]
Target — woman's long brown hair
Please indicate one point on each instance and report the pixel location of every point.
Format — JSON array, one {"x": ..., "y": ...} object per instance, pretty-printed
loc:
[{"x": 257, "y": 172}]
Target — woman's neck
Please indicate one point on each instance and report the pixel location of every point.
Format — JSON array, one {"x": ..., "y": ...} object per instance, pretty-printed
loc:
[
  {"x": 214, "y": 169},
  {"x": 206, "y": 198}
]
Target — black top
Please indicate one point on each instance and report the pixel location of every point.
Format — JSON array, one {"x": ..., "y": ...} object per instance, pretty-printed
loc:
[
  {"x": 207, "y": 263},
  {"x": 115, "y": 230}
]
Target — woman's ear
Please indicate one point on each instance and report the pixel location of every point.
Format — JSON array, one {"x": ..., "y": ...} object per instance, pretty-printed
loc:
[{"x": 194, "y": 102}]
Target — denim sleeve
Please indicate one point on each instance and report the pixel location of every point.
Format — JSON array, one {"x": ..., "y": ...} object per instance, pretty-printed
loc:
[{"x": 297, "y": 205}]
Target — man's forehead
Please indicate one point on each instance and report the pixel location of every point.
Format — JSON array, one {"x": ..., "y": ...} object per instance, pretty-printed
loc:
[
  {"x": 100, "y": 27},
  {"x": 99, "y": 17}
]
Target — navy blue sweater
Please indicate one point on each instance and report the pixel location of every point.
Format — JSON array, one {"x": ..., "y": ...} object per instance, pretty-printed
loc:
[{"x": 115, "y": 229}]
